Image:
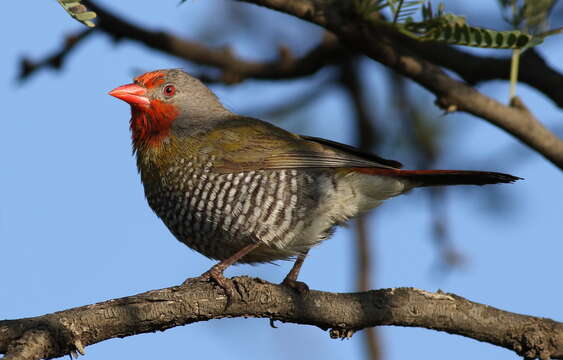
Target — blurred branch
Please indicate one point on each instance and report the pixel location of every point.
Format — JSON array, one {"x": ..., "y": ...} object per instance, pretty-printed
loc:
[
  {"x": 391, "y": 49},
  {"x": 69, "y": 331},
  {"x": 56, "y": 60},
  {"x": 449, "y": 255},
  {"x": 424, "y": 137},
  {"x": 472, "y": 68},
  {"x": 290, "y": 104},
  {"x": 234, "y": 69},
  {"x": 400, "y": 53},
  {"x": 364, "y": 264},
  {"x": 350, "y": 80}
]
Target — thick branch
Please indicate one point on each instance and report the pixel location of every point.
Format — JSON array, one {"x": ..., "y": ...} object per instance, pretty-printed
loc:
[
  {"x": 67, "y": 331},
  {"x": 383, "y": 44},
  {"x": 474, "y": 69}
]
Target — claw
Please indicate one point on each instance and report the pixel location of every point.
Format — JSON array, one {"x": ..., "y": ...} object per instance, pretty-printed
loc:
[
  {"x": 291, "y": 278},
  {"x": 299, "y": 286},
  {"x": 217, "y": 276},
  {"x": 216, "y": 273}
]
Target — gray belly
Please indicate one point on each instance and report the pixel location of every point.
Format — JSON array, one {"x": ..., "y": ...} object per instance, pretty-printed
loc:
[{"x": 218, "y": 214}]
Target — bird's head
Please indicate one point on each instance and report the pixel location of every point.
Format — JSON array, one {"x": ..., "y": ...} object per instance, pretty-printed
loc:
[{"x": 166, "y": 102}]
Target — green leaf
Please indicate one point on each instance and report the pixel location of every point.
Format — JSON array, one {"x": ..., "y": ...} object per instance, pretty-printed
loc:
[
  {"x": 403, "y": 9},
  {"x": 78, "y": 11},
  {"x": 453, "y": 29}
]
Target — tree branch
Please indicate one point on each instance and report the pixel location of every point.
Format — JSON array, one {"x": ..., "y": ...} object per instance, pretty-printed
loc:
[
  {"x": 386, "y": 46},
  {"x": 234, "y": 69},
  {"x": 474, "y": 69},
  {"x": 56, "y": 60},
  {"x": 60, "y": 333}
]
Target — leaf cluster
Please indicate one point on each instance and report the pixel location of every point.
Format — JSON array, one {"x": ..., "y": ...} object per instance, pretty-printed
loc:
[{"x": 454, "y": 29}]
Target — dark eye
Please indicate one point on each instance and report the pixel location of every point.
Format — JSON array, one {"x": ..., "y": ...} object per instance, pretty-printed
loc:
[{"x": 169, "y": 90}]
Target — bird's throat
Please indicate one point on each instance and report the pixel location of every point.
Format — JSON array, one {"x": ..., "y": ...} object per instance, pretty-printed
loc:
[{"x": 151, "y": 125}]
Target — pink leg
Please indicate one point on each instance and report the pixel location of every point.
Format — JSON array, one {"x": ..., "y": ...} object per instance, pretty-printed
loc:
[
  {"x": 291, "y": 278},
  {"x": 216, "y": 272}
]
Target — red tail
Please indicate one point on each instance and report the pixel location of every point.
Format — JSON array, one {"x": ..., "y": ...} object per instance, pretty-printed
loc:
[{"x": 443, "y": 177}]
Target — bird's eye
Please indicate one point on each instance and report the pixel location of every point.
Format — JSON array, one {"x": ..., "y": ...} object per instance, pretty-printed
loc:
[{"x": 169, "y": 90}]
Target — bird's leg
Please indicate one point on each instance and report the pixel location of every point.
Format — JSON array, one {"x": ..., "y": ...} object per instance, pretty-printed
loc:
[
  {"x": 216, "y": 272},
  {"x": 291, "y": 278}
]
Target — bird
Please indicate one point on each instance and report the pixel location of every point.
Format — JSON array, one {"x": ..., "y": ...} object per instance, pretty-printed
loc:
[{"x": 241, "y": 190}]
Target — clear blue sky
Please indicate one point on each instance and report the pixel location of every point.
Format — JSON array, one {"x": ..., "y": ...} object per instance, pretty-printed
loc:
[{"x": 75, "y": 228}]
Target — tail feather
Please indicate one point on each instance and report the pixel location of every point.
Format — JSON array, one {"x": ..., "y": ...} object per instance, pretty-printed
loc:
[{"x": 443, "y": 177}]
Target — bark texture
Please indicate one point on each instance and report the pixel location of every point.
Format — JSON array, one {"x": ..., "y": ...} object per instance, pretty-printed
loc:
[{"x": 69, "y": 331}]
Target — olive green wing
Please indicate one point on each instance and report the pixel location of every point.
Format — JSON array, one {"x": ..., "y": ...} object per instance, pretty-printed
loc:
[{"x": 246, "y": 144}]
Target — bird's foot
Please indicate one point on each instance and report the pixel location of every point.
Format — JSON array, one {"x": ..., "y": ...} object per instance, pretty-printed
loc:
[
  {"x": 299, "y": 286},
  {"x": 215, "y": 274}
]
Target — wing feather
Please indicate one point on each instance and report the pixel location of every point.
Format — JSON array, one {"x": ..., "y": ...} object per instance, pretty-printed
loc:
[{"x": 246, "y": 144}]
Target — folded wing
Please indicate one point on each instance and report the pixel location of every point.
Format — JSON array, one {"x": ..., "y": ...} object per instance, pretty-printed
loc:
[{"x": 245, "y": 144}]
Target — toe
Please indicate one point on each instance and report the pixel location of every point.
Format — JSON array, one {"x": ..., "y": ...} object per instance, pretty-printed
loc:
[{"x": 298, "y": 286}]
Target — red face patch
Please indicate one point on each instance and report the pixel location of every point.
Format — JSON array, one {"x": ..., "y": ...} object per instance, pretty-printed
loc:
[{"x": 151, "y": 124}]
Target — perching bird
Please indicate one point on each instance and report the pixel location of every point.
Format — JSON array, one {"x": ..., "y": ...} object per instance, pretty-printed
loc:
[{"x": 241, "y": 190}]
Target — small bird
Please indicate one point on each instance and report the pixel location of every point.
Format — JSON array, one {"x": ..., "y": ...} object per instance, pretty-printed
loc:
[{"x": 241, "y": 190}]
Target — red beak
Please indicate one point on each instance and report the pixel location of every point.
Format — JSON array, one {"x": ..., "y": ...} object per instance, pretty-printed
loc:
[{"x": 132, "y": 94}]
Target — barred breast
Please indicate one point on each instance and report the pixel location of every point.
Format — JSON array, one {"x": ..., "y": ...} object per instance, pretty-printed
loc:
[{"x": 218, "y": 214}]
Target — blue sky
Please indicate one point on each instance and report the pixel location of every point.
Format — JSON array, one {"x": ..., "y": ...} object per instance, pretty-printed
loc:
[{"x": 75, "y": 228}]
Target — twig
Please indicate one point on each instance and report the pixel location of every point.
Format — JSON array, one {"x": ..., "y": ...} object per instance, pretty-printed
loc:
[
  {"x": 472, "y": 68},
  {"x": 57, "y": 59},
  {"x": 514, "y": 66},
  {"x": 234, "y": 69}
]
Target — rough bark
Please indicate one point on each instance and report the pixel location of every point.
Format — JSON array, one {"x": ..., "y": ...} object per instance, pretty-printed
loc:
[{"x": 69, "y": 331}]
